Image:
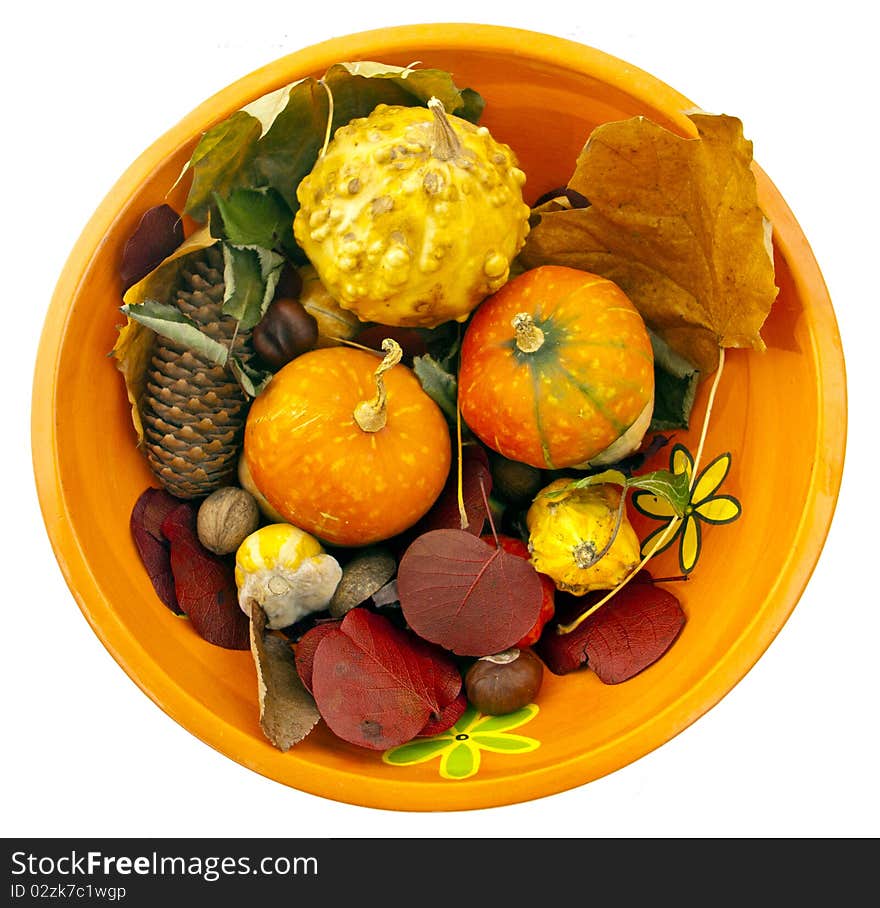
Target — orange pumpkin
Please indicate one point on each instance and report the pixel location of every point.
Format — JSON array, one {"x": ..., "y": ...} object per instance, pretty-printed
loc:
[
  {"x": 556, "y": 367},
  {"x": 347, "y": 451}
]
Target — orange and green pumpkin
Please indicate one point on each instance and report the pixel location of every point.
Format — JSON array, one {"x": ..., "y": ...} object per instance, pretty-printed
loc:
[{"x": 556, "y": 367}]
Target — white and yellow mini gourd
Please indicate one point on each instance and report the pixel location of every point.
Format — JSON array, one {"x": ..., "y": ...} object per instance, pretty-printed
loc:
[{"x": 287, "y": 572}]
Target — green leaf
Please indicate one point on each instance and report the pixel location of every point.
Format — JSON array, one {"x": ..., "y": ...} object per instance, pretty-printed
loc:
[
  {"x": 444, "y": 344},
  {"x": 441, "y": 386},
  {"x": 289, "y": 149},
  {"x": 219, "y": 161},
  {"x": 274, "y": 141},
  {"x": 252, "y": 381},
  {"x": 671, "y": 487},
  {"x": 251, "y": 274},
  {"x": 473, "y": 105},
  {"x": 167, "y": 320},
  {"x": 406, "y": 86},
  {"x": 675, "y": 387},
  {"x": 254, "y": 217}
]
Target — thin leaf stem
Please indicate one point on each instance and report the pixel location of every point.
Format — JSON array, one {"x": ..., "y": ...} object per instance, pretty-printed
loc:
[
  {"x": 462, "y": 511},
  {"x": 489, "y": 513},
  {"x": 329, "y": 132},
  {"x": 709, "y": 406},
  {"x": 568, "y": 628}
]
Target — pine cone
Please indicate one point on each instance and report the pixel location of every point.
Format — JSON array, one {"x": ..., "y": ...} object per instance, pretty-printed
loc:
[{"x": 194, "y": 411}]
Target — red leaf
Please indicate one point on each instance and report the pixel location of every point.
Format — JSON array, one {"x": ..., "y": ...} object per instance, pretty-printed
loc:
[
  {"x": 205, "y": 583},
  {"x": 377, "y": 685},
  {"x": 158, "y": 233},
  {"x": 151, "y": 508},
  {"x": 466, "y": 595},
  {"x": 444, "y": 514},
  {"x": 548, "y": 589},
  {"x": 410, "y": 339},
  {"x": 629, "y": 633},
  {"x": 305, "y": 650},
  {"x": 446, "y": 719}
]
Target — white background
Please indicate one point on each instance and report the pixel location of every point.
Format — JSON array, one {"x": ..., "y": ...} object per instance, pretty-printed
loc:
[{"x": 791, "y": 751}]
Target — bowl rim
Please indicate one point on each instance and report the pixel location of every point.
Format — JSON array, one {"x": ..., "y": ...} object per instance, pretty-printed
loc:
[{"x": 349, "y": 786}]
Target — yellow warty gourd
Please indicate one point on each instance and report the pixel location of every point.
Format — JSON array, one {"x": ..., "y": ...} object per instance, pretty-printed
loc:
[
  {"x": 569, "y": 533},
  {"x": 287, "y": 572},
  {"x": 411, "y": 216}
]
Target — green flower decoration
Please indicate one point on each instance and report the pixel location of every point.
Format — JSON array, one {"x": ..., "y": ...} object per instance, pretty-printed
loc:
[
  {"x": 704, "y": 505},
  {"x": 460, "y": 748}
]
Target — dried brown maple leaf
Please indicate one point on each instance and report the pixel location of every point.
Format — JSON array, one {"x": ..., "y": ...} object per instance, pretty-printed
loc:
[{"x": 675, "y": 222}]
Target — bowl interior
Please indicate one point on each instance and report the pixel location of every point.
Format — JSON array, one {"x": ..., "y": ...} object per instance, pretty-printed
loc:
[{"x": 543, "y": 96}]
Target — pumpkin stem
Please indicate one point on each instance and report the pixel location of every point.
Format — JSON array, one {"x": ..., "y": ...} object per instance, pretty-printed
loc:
[
  {"x": 371, "y": 415},
  {"x": 529, "y": 337},
  {"x": 445, "y": 144}
]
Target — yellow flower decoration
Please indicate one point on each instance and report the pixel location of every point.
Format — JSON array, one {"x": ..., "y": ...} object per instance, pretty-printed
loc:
[
  {"x": 704, "y": 505},
  {"x": 459, "y": 748}
]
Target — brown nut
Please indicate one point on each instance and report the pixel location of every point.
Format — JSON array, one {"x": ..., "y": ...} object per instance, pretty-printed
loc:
[
  {"x": 517, "y": 482},
  {"x": 284, "y": 332},
  {"x": 226, "y": 518},
  {"x": 500, "y": 684},
  {"x": 289, "y": 283}
]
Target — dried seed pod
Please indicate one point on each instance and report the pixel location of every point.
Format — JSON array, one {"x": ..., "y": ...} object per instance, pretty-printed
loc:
[
  {"x": 505, "y": 682},
  {"x": 226, "y": 518}
]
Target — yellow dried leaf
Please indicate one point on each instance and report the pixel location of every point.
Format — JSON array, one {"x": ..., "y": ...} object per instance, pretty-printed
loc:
[
  {"x": 675, "y": 222},
  {"x": 134, "y": 345}
]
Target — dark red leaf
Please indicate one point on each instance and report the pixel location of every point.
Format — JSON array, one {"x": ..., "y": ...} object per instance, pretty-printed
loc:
[
  {"x": 446, "y": 719},
  {"x": 147, "y": 515},
  {"x": 305, "y": 650},
  {"x": 548, "y": 588},
  {"x": 158, "y": 233},
  {"x": 445, "y": 514},
  {"x": 629, "y": 633},
  {"x": 156, "y": 504},
  {"x": 205, "y": 583},
  {"x": 466, "y": 595},
  {"x": 377, "y": 685},
  {"x": 411, "y": 340},
  {"x": 564, "y": 653}
]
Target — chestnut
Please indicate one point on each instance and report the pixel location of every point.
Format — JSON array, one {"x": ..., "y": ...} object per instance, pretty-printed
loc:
[
  {"x": 508, "y": 681},
  {"x": 284, "y": 332},
  {"x": 289, "y": 284}
]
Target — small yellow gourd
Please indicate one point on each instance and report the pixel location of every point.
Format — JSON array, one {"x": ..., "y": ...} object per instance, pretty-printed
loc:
[
  {"x": 412, "y": 216},
  {"x": 569, "y": 532},
  {"x": 335, "y": 324},
  {"x": 287, "y": 572}
]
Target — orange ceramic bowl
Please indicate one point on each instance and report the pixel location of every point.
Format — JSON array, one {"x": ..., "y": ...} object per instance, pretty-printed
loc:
[{"x": 543, "y": 95}]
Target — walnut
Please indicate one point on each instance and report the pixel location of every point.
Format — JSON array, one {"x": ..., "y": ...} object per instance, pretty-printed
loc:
[{"x": 226, "y": 518}]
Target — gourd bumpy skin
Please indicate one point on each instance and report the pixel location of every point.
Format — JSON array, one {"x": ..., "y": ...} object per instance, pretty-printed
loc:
[{"x": 412, "y": 217}]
